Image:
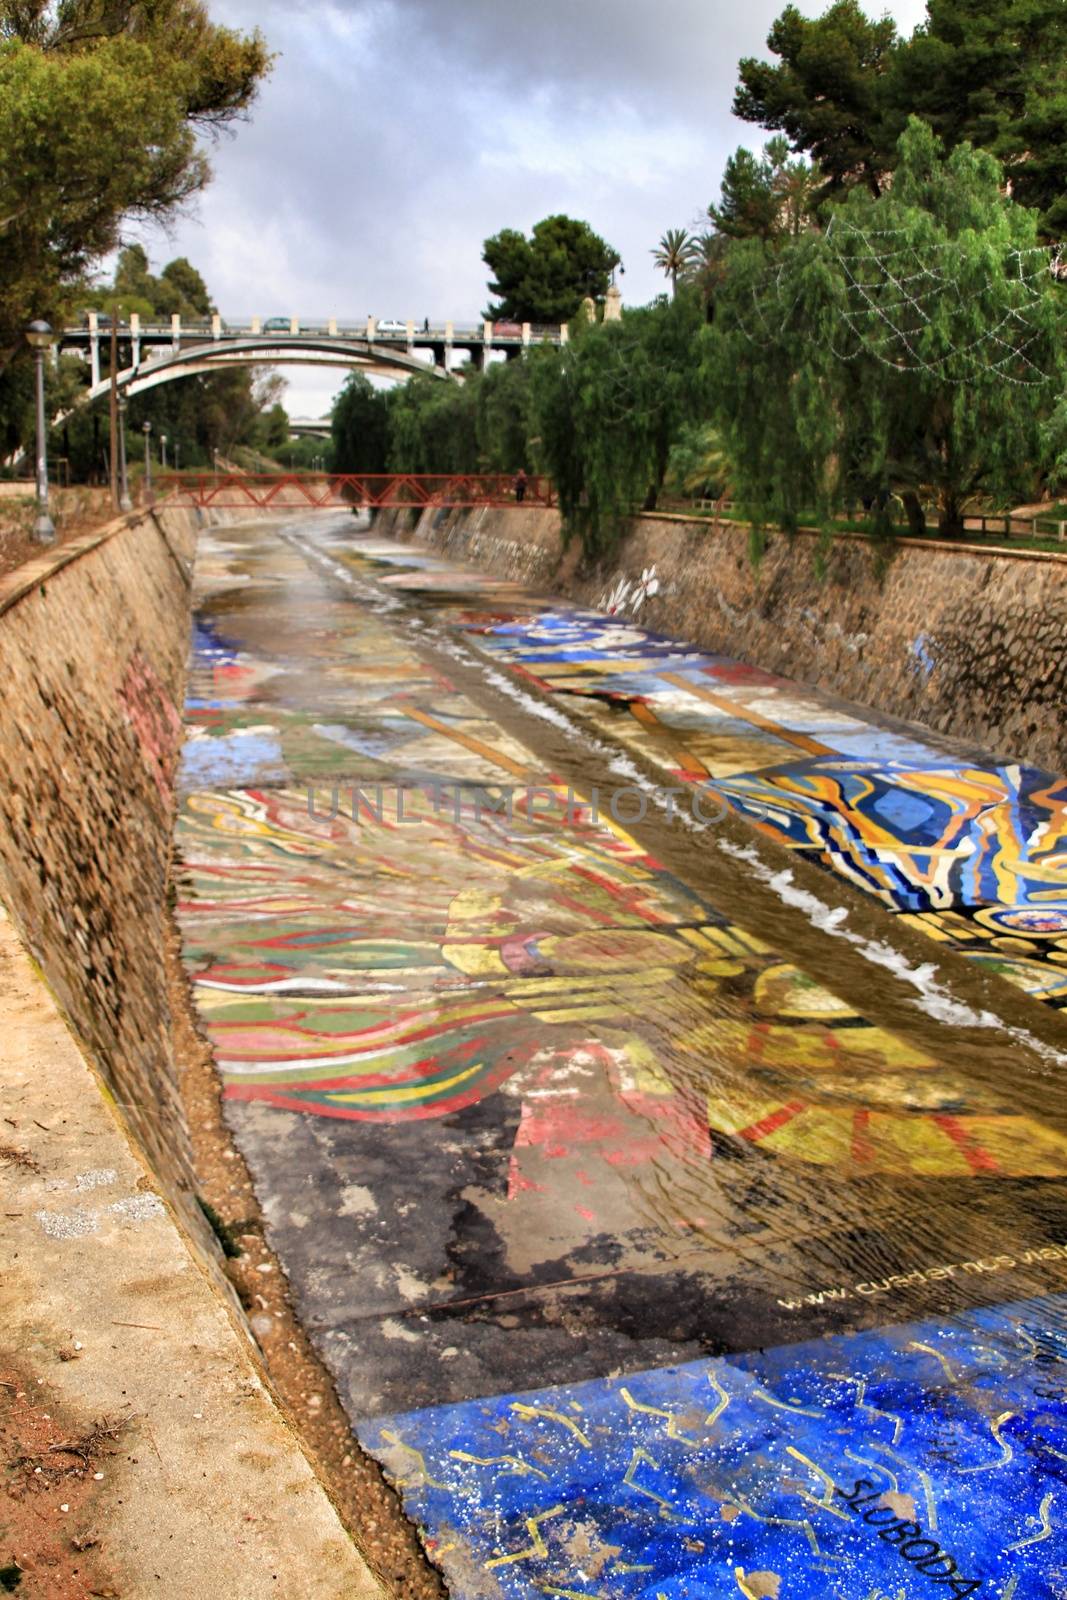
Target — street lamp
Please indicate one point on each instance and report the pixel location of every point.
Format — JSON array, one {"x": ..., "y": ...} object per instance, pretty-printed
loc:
[
  {"x": 39, "y": 338},
  {"x": 163, "y": 450},
  {"x": 125, "y": 503},
  {"x": 177, "y": 450},
  {"x": 147, "y": 430}
]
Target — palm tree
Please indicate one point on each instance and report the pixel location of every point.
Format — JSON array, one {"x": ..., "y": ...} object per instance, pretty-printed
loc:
[
  {"x": 707, "y": 266},
  {"x": 675, "y": 254}
]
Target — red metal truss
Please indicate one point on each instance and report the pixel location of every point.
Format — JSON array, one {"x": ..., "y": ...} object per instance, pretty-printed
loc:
[{"x": 282, "y": 489}]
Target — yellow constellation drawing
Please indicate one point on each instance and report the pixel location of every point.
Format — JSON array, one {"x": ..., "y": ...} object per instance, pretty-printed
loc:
[
  {"x": 724, "y": 1401},
  {"x": 1005, "y": 1448},
  {"x": 527, "y": 1412},
  {"x": 673, "y": 1430},
  {"x": 514, "y": 1465},
  {"x": 422, "y": 1472},
  {"x": 636, "y": 1459},
  {"x": 1046, "y": 1527},
  {"x": 537, "y": 1547}
]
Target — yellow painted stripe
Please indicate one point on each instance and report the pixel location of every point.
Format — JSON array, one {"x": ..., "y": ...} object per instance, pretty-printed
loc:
[
  {"x": 469, "y": 743},
  {"x": 742, "y": 713}
]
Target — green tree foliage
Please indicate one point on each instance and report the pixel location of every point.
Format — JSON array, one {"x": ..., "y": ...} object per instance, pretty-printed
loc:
[
  {"x": 995, "y": 72},
  {"x": 223, "y": 411},
  {"x": 545, "y": 278},
  {"x": 182, "y": 289},
  {"x": 433, "y": 427},
  {"x": 709, "y": 268},
  {"x": 992, "y": 72},
  {"x": 600, "y": 414},
  {"x": 768, "y": 197},
  {"x": 502, "y": 417},
  {"x": 834, "y": 381},
  {"x": 676, "y": 254},
  {"x": 359, "y": 427},
  {"x": 273, "y": 432},
  {"x": 608, "y": 407},
  {"x": 99, "y": 110},
  {"x": 699, "y": 465},
  {"x": 134, "y": 287},
  {"x": 827, "y": 92}
]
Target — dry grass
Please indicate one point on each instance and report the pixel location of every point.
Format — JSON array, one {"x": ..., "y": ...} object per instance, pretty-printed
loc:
[{"x": 74, "y": 512}]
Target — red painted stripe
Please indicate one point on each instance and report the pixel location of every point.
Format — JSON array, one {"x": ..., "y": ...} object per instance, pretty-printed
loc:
[
  {"x": 403, "y": 1036},
  {"x": 770, "y": 1124},
  {"x": 862, "y": 1148},
  {"x": 977, "y": 1159},
  {"x": 416, "y": 1112}
]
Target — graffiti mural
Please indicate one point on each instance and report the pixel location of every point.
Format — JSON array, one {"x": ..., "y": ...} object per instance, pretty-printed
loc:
[
  {"x": 271, "y": 699},
  {"x": 540, "y": 931},
  {"x": 646, "y": 1263},
  {"x": 919, "y": 1460},
  {"x": 894, "y": 816}
]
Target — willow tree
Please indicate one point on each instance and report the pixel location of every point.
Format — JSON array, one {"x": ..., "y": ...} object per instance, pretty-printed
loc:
[
  {"x": 502, "y": 406},
  {"x": 433, "y": 426},
  {"x": 608, "y": 407},
  {"x": 912, "y": 351},
  {"x": 359, "y": 427}
]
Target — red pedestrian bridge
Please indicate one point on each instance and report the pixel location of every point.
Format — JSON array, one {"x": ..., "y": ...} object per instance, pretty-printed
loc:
[{"x": 284, "y": 489}]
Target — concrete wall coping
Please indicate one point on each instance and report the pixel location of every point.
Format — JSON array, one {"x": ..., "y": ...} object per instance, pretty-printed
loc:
[
  {"x": 941, "y": 545},
  {"x": 31, "y": 574},
  {"x": 18, "y": 584}
]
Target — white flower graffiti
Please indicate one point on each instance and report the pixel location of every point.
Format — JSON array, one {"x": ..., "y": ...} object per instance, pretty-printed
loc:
[{"x": 630, "y": 594}]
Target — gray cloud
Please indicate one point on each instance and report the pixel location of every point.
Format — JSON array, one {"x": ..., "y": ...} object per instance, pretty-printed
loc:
[{"x": 395, "y": 135}]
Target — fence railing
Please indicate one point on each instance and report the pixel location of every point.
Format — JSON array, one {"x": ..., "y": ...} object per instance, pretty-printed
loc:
[
  {"x": 369, "y": 490},
  {"x": 1004, "y": 524}
]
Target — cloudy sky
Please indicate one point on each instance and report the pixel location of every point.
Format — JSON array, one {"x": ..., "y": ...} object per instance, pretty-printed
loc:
[{"x": 395, "y": 135}]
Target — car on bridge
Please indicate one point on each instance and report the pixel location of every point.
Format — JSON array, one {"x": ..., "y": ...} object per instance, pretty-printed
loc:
[
  {"x": 508, "y": 330},
  {"x": 390, "y": 325},
  {"x": 277, "y": 325}
]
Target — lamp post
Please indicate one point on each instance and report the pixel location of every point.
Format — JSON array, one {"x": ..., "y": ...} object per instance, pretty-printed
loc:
[
  {"x": 39, "y": 338},
  {"x": 163, "y": 450},
  {"x": 125, "y": 503},
  {"x": 177, "y": 455},
  {"x": 147, "y": 430}
]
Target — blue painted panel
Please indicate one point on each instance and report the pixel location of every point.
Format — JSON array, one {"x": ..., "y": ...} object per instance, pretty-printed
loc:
[
  {"x": 232, "y": 760},
  {"x": 923, "y": 1460}
]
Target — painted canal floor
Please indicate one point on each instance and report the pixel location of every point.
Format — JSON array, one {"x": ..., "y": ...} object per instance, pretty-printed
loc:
[{"x": 660, "y": 1239}]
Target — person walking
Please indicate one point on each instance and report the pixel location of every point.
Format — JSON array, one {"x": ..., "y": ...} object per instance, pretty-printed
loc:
[{"x": 520, "y": 486}]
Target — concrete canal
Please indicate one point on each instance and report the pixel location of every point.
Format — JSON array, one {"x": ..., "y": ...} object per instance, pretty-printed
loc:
[{"x": 651, "y": 1075}]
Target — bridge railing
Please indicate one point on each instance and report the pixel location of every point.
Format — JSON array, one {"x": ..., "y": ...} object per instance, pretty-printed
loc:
[
  {"x": 175, "y": 329},
  {"x": 367, "y": 490}
]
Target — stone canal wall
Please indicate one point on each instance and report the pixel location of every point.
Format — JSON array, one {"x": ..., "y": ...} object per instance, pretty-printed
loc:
[
  {"x": 93, "y": 643},
  {"x": 970, "y": 642}
]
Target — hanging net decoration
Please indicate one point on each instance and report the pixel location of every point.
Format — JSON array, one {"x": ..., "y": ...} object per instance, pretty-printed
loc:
[
  {"x": 894, "y": 292},
  {"x": 953, "y": 309}
]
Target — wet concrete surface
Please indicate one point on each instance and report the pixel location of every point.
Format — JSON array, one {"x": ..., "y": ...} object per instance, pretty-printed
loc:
[{"x": 568, "y": 1129}]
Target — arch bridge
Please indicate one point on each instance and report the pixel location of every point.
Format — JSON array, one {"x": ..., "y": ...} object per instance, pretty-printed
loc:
[{"x": 155, "y": 353}]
